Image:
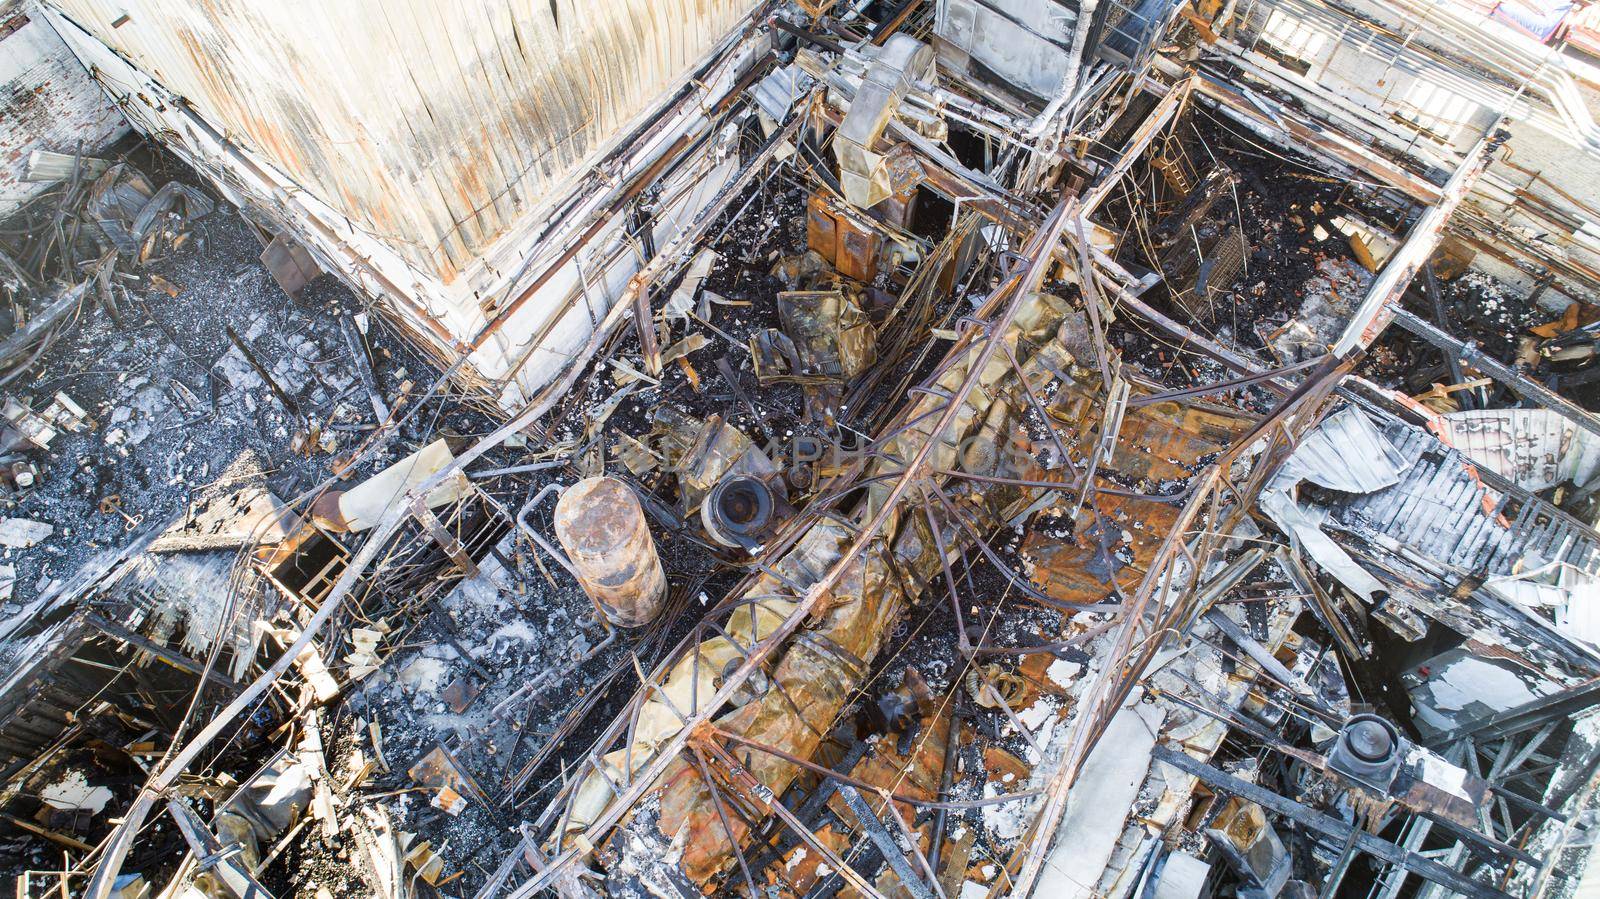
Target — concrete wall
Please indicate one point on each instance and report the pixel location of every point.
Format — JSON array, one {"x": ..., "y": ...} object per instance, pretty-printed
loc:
[
  {"x": 515, "y": 354},
  {"x": 47, "y": 101},
  {"x": 1425, "y": 94},
  {"x": 435, "y": 126}
]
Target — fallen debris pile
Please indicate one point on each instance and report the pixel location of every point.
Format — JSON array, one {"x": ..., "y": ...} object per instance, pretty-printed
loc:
[{"x": 1073, "y": 450}]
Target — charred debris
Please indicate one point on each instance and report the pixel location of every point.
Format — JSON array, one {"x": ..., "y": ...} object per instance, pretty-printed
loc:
[{"x": 1104, "y": 463}]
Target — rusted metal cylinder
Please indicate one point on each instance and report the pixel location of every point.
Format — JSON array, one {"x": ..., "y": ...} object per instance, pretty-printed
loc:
[{"x": 603, "y": 529}]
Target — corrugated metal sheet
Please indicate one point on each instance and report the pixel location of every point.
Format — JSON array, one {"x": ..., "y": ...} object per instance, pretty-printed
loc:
[
  {"x": 1437, "y": 508},
  {"x": 1443, "y": 511},
  {"x": 1533, "y": 448},
  {"x": 47, "y": 102},
  {"x": 1345, "y": 453},
  {"x": 435, "y": 126},
  {"x": 1396, "y": 486}
]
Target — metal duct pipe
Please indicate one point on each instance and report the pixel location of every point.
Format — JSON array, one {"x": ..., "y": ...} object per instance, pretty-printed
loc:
[{"x": 1069, "y": 81}]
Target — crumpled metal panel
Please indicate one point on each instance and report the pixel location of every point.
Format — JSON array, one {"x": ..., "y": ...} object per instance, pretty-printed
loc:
[
  {"x": 831, "y": 332},
  {"x": 1437, "y": 507},
  {"x": 1437, "y": 521},
  {"x": 824, "y": 662},
  {"x": 1346, "y": 453},
  {"x": 778, "y": 91},
  {"x": 848, "y": 246}
]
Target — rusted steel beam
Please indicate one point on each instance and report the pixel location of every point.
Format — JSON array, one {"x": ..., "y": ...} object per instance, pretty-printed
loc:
[
  {"x": 1067, "y": 485},
  {"x": 1017, "y": 581},
  {"x": 1188, "y": 337},
  {"x": 1298, "y": 133},
  {"x": 722, "y": 818},
  {"x": 446, "y": 540},
  {"x": 1430, "y": 288},
  {"x": 1038, "y": 409},
  {"x": 1012, "y": 293},
  {"x": 969, "y": 193},
  {"x": 1383, "y": 295},
  {"x": 755, "y": 793},
  {"x": 963, "y": 643},
  {"x": 1165, "y": 109},
  {"x": 893, "y": 21},
  {"x": 1494, "y": 368},
  {"x": 952, "y": 753},
  {"x": 1250, "y": 380}
]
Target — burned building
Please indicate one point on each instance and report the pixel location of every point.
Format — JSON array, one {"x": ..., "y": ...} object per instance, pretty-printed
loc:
[{"x": 933, "y": 448}]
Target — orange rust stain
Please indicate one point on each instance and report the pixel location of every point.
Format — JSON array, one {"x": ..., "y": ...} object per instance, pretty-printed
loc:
[{"x": 1162, "y": 443}]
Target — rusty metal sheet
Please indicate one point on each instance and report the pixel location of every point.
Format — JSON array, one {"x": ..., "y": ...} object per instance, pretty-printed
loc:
[
  {"x": 1159, "y": 448},
  {"x": 848, "y": 246},
  {"x": 289, "y": 264}
]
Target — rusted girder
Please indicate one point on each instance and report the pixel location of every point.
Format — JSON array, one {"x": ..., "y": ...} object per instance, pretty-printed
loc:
[
  {"x": 1004, "y": 304},
  {"x": 1377, "y": 309}
]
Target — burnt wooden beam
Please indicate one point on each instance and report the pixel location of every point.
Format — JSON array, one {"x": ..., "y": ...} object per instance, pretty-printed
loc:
[
  {"x": 886, "y": 843},
  {"x": 279, "y": 392},
  {"x": 363, "y": 364},
  {"x": 442, "y": 536}
]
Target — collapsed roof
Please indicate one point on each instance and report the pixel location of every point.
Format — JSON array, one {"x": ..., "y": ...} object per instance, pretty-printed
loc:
[{"x": 932, "y": 449}]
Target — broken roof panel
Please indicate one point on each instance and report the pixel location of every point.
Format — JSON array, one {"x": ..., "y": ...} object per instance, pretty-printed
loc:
[{"x": 963, "y": 574}]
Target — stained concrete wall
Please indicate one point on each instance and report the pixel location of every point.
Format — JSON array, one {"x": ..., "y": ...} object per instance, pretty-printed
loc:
[
  {"x": 450, "y": 307},
  {"x": 47, "y": 101}
]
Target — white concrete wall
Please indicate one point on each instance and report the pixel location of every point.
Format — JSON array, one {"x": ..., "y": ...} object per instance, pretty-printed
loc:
[
  {"x": 439, "y": 127},
  {"x": 529, "y": 347}
]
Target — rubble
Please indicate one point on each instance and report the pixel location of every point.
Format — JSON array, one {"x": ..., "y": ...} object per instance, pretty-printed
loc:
[{"x": 917, "y": 449}]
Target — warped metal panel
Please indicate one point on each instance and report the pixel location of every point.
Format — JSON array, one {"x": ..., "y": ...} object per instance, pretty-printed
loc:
[{"x": 1025, "y": 42}]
